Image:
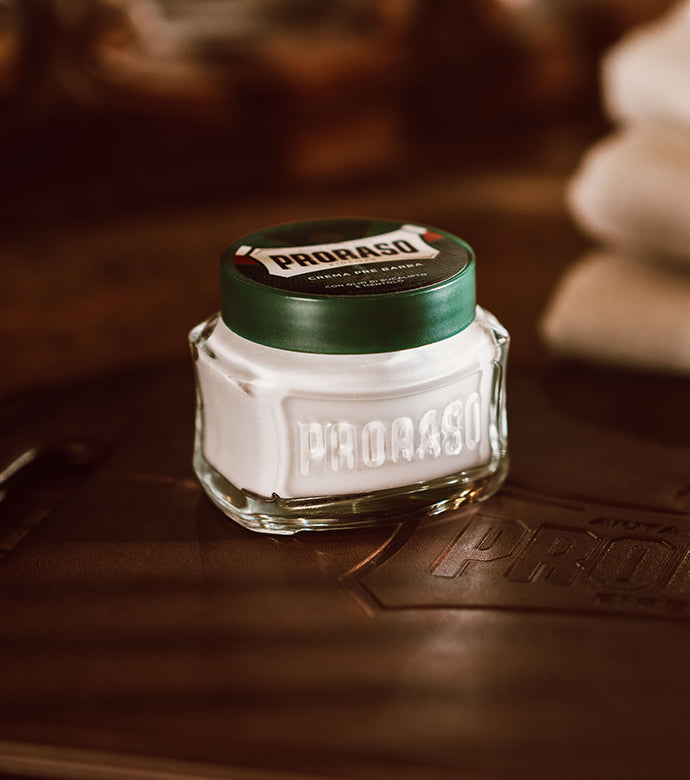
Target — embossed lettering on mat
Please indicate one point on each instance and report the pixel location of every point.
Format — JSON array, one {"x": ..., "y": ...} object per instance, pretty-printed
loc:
[{"x": 526, "y": 550}]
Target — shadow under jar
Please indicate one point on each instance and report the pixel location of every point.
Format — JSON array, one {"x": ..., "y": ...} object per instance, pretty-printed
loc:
[{"x": 350, "y": 379}]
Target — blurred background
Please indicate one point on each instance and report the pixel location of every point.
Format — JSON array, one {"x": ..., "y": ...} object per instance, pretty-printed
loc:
[{"x": 139, "y": 137}]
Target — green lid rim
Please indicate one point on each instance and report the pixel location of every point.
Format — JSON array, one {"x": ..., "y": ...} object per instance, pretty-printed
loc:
[{"x": 346, "y": 324}]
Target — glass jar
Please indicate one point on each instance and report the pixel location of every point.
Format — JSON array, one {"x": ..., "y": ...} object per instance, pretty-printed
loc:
[{"x": 349, "y": 379}]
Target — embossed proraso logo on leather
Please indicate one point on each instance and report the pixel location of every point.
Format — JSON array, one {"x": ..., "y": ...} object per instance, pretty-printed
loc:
[{"x": 525, "y": 550}]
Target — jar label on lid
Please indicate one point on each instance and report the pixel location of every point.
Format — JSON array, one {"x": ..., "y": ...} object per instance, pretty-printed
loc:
[
  {"x": 396, "y": 260},
  {"x": 405, "y": 243}
]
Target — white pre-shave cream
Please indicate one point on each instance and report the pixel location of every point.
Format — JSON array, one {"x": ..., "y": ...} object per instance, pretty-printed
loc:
[{"x": 349, "y": 379}]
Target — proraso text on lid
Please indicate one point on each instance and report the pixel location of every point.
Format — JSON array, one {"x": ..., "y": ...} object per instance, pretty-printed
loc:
[{"x": 406, "y": 242}]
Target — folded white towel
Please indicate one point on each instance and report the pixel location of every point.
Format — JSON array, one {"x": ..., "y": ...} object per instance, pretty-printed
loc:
[
  {"x": 614, "y": 310},
  {"x": 646, "y": 76},
  {"x": 632, "y": 190},
  {"x": 629, "y": 304}
]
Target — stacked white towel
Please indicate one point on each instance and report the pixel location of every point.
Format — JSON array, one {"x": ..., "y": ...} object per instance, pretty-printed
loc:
[{"x": 629, "y": 303}]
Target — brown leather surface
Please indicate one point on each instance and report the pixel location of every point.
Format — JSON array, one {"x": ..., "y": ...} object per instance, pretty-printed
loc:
[{"x": 542, "y": 634}]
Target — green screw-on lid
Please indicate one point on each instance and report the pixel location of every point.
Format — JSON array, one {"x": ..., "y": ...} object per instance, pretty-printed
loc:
[{"x": 347, "y": 286}]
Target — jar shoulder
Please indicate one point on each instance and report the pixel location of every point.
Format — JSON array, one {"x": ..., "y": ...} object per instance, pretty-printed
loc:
[{"x": 483, "y": 342}]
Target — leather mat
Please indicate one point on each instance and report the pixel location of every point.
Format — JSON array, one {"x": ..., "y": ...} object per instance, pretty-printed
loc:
[{"x": 542, "y": 634}]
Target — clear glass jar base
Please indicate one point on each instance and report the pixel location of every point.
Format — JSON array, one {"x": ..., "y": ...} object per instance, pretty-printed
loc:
[{"x": 277, "y": 515}]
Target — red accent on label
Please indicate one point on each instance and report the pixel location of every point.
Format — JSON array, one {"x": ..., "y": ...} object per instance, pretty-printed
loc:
[
  {"x": 429, "y": 236},
  {"x": 245, "y": 260}
]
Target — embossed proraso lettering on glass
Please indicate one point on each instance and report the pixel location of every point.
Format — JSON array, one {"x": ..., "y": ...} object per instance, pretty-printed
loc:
[{"x": 344, "y": 445}]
